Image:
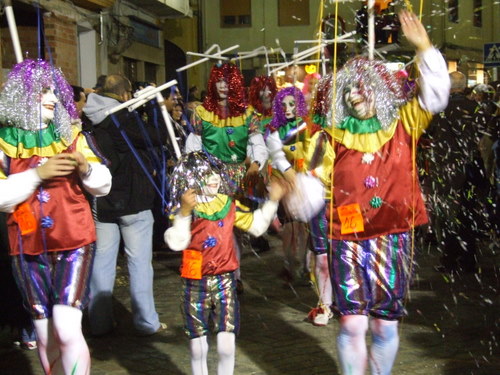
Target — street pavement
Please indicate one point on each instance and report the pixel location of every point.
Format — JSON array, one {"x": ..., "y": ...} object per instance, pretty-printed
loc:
[{"x": 452, "y": 325}]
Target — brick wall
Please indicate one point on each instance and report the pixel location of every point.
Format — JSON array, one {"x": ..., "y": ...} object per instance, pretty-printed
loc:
[
  {"x": 61, "y": 36},
  {"x": 29, "y": 45}
]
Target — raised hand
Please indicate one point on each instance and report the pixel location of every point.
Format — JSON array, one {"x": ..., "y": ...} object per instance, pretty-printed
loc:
[
  {"x": 188, "y": 202},
  {"x": 414, "y": 31}
]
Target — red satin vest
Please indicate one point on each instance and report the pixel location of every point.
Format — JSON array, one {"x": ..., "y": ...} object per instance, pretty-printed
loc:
[
  {"x": 73, "y": 226},
  {"x": 221, "y": 257},
  {"x": 397, "y": 187}
]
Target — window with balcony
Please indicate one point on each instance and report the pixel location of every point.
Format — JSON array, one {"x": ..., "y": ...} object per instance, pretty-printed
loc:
[
  {"x": 235, "y": 13},
  {"x": 477, "y": 18},
  {"x": 130, "y": 69},
  {"x": 293, "y": 12}
]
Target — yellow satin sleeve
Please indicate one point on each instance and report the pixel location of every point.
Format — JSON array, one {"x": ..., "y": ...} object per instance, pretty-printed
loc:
[
  {"x": 83, "y": 147},
  {"x": 244, "y": 217}
]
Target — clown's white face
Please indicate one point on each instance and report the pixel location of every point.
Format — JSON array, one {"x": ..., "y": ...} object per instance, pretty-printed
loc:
[
  {"x": 265, "y": 97},
  {"x": 222, "y": 89},
  {"x": 360, "y": 103},
  {"x": 289, "y": 107},
  {"x": 48, "y": 103},
  {"x": 211, "y": 186}
]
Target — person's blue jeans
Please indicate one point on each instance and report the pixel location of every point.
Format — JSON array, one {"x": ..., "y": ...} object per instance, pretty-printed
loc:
[{"x": 137, "y": 233}]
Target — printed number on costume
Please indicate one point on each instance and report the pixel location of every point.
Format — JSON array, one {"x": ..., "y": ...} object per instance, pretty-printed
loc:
[
  {"x": 191, "y": 264},
  {"x": 23, "y": 215},
  {"x": 351, "y": 219}
]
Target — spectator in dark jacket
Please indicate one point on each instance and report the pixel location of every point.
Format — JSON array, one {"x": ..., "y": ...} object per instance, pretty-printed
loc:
[{"x": 126, "y": 212}]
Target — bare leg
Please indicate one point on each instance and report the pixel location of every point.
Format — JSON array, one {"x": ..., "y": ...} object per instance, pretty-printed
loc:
[
  {"x": 322, "y": 273},
  {"x": 351, "y": 344},
  {"x": 48, "y": 351},
  {"x": 385, "y": 343},
  {"x": 75, "y": 356}
]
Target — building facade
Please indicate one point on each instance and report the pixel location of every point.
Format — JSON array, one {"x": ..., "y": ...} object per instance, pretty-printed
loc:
[{"x": 89, "y": 38}]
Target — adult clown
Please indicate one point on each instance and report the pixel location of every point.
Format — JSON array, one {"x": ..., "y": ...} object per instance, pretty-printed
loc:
[
  {"x": 45, "y": 164},
  {"x": 225, "y": 126},
  {"x": 261, "y": 94},
  {"x": 376, "y": 197}
]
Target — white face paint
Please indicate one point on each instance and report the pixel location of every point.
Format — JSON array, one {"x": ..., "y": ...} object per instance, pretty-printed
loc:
[
  {"x": 360, "y": 104},
  {"x": 212, "y": 184},
  {"x": 222, "y": 89},
  {"x": 289, "y": 107},
  {"x": 265, "y": 97},
  {"x": 48, "y": 103}
]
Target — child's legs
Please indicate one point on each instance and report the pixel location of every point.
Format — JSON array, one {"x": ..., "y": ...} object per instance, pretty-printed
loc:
[
  {"x": 199, "y": 351},
  {"x": 226, "y": 348},
  {"x": 226, "y": 319}
]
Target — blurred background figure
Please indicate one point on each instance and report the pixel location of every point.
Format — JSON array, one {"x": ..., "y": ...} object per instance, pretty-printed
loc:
[
  {"x": 79, "y": 98},
  {"x": 309, "y": 88},
  {"x": 454, "y": 175},
  {"x": 99, "y": 84}
]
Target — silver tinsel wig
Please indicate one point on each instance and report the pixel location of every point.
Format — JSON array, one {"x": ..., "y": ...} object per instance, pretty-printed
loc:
[
  {"x": 190, "y": 172},
  {"x": 372, "y": 75},
  {"x": 20, "y": 104}
]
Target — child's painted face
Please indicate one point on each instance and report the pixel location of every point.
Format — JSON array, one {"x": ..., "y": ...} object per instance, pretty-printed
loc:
[
  {"x": 48, "y": 101},
  {"x": 222, "y": 89},
  {"x": 211, "y": 185},
  {"x": 360, "y": 103},
  {"x": 289, "y": 107}
]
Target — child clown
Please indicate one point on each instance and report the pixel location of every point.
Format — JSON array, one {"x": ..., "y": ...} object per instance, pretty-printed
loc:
[{"x": 203, "y": 230}]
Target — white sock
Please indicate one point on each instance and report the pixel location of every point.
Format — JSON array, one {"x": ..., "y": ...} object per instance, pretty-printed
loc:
[
  {"x": 226, "y": 348},
  {"x": 351, "y": 344},
  {"x": 385, "y": 343},
  {"x": 199, "y": 351},
  {"x": 75, "y": 356}
]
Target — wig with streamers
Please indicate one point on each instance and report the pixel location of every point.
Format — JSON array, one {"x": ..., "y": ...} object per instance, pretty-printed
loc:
[
  {"x": 279, "y": 118},
  {"x": 256, "y": 86},
  {"x": 20, "y": 104},
  {"x": 190, "y": 172},
  {"x": 236, "y": 100},
  {"x": 371, "y": 75}
]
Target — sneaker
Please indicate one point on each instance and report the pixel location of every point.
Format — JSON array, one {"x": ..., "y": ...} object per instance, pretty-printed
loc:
[
  {"x": 163, "y": 327},
  {"x": 29, "y": 345},
  {"x": 26, "y": 345},
  {"x": 319, "y": 316}
]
